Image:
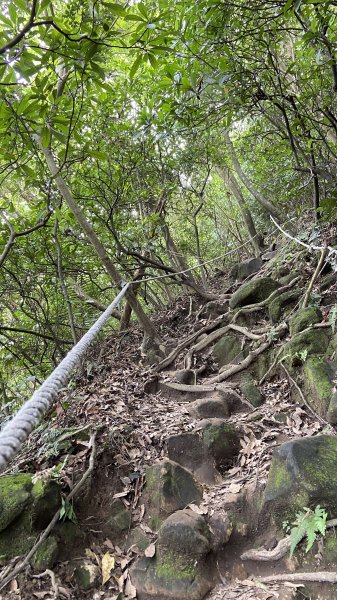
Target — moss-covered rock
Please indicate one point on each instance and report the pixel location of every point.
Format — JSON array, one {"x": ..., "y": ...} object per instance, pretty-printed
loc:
[
  {"x": 221, "y": 440},
  {"x": 253, "y": 291},
  {"x": 281, "y": 302},
  {"x": 169, "y": 487},
  {"x": 250, "y": 390},
  {"x": 304, "y": 318},
  {"x": 46, "y": 500},
  {"x": 46, "y": 555},
  {"x": 15, "y": 495},
  {"x": 332, "y": 410},
  {"x": 185, "y": 532},
  {"x": 285, "y": 279},
  {"x": 246, "y": 268},
  {"x": 27, "y": 513},
  {"x": 330, "y": 547},
  {"x": 88, "y": 575},
  {"x": 318, "y": 377},
  {"x": 304, "y": 344},
  {"x": 181, "y": 567},
  {"x": 227, "y": 350},
  {"x": 185, "y": 376},
  {"x": 18, "y": 538},
  {"x": 303, "y": 473},
  {"x": 120, "y": 518}
]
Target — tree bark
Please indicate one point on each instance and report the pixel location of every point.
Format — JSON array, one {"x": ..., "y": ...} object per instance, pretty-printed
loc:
[
  {"x": 268, "y": 206},
  {"x": 110, "y": 268},
  {"x": 247, "y": 216}
]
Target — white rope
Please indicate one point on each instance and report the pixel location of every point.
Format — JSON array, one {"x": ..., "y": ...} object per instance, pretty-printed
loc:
[
  {"x": 19, "y": 427},
  {"x": 207, "y": 262}
]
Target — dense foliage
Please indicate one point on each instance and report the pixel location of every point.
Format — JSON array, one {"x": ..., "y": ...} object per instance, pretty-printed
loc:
[{"x": 144, "y": 138}]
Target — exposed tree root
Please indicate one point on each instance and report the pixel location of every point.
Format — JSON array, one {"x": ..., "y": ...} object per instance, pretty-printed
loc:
[
  {"x": 263, "y": 555},
  {"x": 214, "y": 336},
  {"x": 253, "y": 307},
  {"x": 319, "y": 576},
  {"x": 168, "y": 360},
  {"x": 181, "y": 387}
]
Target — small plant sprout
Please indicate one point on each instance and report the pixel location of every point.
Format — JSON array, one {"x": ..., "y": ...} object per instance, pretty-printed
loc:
[{"x": 308, "y": 524}]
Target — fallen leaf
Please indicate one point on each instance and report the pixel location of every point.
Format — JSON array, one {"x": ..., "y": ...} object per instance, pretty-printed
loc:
[
  {"x": 150, "y": 551},
  {"x": 234, "y": 488},
  {"x": 198, "y": 509},
  {"x": 130, "y": 589},
  {"x": 108, "y": 563}
]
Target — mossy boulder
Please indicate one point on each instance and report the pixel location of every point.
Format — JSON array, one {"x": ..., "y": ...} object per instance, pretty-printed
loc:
[
  {"x": 33, "y": 507},
  {"x": 303, "y": 473},
  {"x": 210, "y": 408},
  {"x": 281, "y": 303},
  {"x": 246, "y": 268},
  {"x": 46, "y": 500},
  {"x": 169, "y": 487},
  {"x": 221, "y": 441},
  {"x": 88, "y": 575},
  {"x": 253, "y": 292},
  {"x": 181, "y": 567},
  {"x": 288, "y": 278},
  {"x": 46, "y": 555},
  {"x": 250, "y": 390},
  {"x": 15, "y": 495},
  {"x": 185, "y": 376},
  {"x": 318, "y": 376},
  {"x": 330, "y": 547},
  {"x": 304, "y": 344},
  {"x": 332, "y": 410},
  {"x": 120, "y": 518},
  {"x": 227, "y": 350},
  {"x": 304, "y": 318}
]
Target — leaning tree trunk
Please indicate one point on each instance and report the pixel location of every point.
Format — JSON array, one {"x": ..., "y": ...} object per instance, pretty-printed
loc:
[
  {"x": 110, "y": 268},
  {"x": 246, "y": 214},
  {"x": 268, "y": 206}
]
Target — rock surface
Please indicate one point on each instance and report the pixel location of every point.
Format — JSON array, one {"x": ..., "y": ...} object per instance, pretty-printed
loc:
[{"x": 253, "y": 291}]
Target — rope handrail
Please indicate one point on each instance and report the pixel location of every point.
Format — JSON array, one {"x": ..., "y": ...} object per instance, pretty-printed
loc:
[{"x": 19, "y": 427}]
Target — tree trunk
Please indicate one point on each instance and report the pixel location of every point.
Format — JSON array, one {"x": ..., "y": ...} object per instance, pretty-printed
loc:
[
  {"x": 268, "y": 206},
  {"x": 233, "y": 186},
  {"x": 110, "y": 268}
]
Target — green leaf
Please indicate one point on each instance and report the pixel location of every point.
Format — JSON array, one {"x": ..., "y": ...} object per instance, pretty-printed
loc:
[
  {"x": 136, "y": 65},
  {"x": 45, "y": 136},
  {"x": 115, "y": 9}
]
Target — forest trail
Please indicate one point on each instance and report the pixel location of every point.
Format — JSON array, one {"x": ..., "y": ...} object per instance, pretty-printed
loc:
[{"x": 178, "y": 409}]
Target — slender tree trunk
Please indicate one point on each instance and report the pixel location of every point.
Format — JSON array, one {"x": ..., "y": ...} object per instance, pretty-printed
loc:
[
  {"x": 234, "y": 187},
  {"x": 268, "y": 206},
  {"x": 143, "y": 319},
  {"x": 63, "y": 284}
]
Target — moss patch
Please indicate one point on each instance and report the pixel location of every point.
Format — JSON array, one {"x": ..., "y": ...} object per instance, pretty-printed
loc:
[
  {"x": 253, "y": 291},
  {"x": 303, "y": 473},
  {"x": 174, "y": 567},
  {"x": 304, "y": 317},
  {"x": 281, "y": 302},
  {"x": 318, "y": 377},
  {"x": 15, "y": 494},
  {"x": 305, "y": 343},
  {"x": 45, "y": 556}
]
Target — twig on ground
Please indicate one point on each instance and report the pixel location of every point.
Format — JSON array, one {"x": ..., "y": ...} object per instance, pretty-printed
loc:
[
  {"x": 54, "y": 584},
  {"x": 46, "y": 532},
  {"x": 317, "y": 271}
]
